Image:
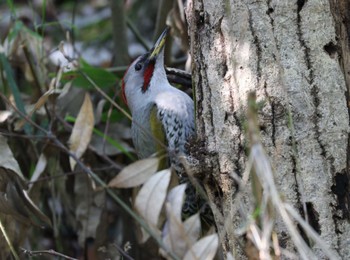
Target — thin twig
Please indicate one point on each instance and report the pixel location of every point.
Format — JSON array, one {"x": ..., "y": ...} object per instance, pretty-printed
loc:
[
  {"x": 49, "y": 178},
  {"x": 46, "y": 252},
  {"x": 13, "y": 251},
  {"x": 122, "y": 252}
]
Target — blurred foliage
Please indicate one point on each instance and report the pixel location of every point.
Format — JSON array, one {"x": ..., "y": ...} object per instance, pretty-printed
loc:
[
  {"x": 50, "y": 53},
  {"x": 102, "y": 77}
]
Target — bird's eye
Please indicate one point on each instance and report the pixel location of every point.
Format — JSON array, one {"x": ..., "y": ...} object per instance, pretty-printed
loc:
[{"x": 138, "y": 66}]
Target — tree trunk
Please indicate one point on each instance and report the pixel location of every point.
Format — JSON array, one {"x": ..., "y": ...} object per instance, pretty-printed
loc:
[{"x": 295, "y": 56}]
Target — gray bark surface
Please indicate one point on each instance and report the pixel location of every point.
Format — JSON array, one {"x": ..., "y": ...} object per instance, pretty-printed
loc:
[{"x": 295, "y": 56}]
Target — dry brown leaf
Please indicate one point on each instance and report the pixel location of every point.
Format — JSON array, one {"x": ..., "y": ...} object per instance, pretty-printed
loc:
[
  {"x": 175, "y": 199},
  {"x": 89, "y": 205},
  {"x": 149, "y": 201},
  {"x": 4, "y": 115},
  {"x": 135, "y": 174},
  {"x": 174, "y": 230},
  {"x": 39, "y": 169},
  {"x": 7, "y": 160},
  {"x": 174, "y": 234},
  {"x": 192, "y": 227},
  {"x": 14, "y": 200},
  {"x": 180, "y": 236},
  {"x": 82, "y": 130},
  {"x": 204, "y": 249}
]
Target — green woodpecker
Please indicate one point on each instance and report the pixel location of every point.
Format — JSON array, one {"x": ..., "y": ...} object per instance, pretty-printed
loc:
[{"x": 163, "y": 116}]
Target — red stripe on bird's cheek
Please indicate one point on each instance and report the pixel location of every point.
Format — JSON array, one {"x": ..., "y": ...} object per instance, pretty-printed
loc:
[{"x": 147, "y": 75}]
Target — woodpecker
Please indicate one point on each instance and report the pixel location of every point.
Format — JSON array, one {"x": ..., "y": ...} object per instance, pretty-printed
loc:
[{"x": 161, "y": 114}]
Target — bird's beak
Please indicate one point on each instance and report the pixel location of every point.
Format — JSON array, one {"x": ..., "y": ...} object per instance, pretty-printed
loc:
[{"x": 159, "y": 45}]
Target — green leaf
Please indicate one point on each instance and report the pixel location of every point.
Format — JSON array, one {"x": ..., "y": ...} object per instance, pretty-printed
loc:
[
  {"x": 102, "y": 77},
  {"x": 11, "y": 6},
  {"x": 115, "y": 116},
  {"x": 5, "y": 65}
]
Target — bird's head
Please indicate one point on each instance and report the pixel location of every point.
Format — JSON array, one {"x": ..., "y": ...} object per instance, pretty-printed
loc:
[{"x": 146, "y": 75}]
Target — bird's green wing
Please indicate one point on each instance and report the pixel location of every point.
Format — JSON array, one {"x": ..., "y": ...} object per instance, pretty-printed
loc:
[{"x": 160, "y": 138}]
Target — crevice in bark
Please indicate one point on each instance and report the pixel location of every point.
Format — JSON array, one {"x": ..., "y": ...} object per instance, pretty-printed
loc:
[
  {"x": 198, "y": 150},
  {"x": 199, "y": 21},
  {"x": 300, "y": 4},
  {"x": 315, "y": 119},
  {"x": 210, "y": 96},
  {"x": 224, "y": 66},
  {"x": 297, "y": 191},
  {"x": 273, "y": 116},
  {"x": 202, "y": 72},
  {"x": 240, "y": 151},
  {"x": 314, "y": 88},
  {"x": 257, "y": 44},
  {"x": 269, "y": 11},
  {"x": 301, "y": 230},
  {"x": 303, "y": 44},
  {"x": 313, "y": 220},
  {"x": 199, "y": 100},
  {"x": 313, "y": 217}
]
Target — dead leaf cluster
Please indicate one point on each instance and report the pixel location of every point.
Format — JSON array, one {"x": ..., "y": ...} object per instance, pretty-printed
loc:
[{"x": 179, "y": 237}]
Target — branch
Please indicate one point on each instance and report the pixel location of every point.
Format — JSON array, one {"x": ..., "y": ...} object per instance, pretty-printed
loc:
[{"x": 47, "y": 252}]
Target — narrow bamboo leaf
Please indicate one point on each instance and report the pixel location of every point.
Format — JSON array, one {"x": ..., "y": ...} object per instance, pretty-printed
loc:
[
  {"x": 14, "y": 89},
  {"x": 102, "y": 77},
  {"x": 115, "y": 143}
]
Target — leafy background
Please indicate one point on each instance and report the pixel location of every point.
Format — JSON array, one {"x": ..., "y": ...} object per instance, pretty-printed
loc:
[{"x": 61, "y": 64}]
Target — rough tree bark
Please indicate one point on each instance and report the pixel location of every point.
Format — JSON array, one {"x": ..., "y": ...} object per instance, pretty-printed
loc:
[{"x": 295, "y": 56}]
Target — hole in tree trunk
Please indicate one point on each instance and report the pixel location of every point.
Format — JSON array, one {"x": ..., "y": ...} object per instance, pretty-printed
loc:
[{"x": 342, "y": 190}]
